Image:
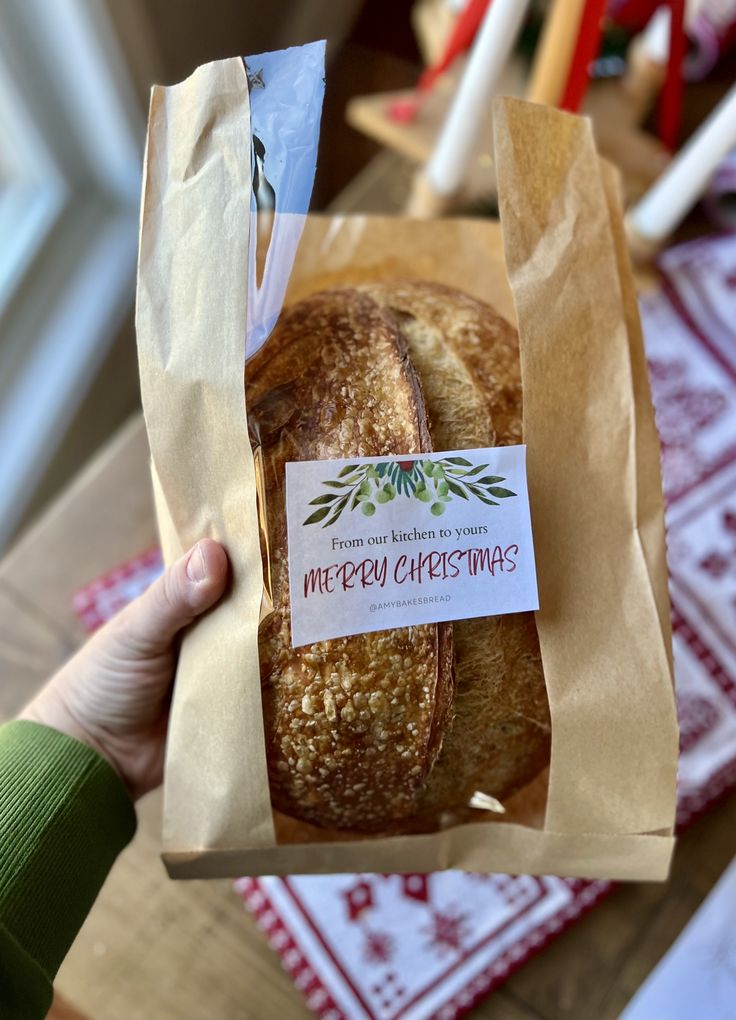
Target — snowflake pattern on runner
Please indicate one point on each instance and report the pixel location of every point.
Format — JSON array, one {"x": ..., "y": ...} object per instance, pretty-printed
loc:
[
  {"x": 448, "y": 930},
  {"x": 378, "y": 947}
]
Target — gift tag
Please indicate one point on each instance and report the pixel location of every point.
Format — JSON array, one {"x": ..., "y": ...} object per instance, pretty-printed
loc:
[{"x": 384, "y": 542}]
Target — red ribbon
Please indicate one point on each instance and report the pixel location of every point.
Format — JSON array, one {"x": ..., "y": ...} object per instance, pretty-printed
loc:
[{"x": 460, "y": 40}]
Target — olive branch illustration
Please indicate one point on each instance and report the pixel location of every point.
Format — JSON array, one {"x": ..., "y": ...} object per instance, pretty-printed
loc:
[{"x": 435, "y": 482}]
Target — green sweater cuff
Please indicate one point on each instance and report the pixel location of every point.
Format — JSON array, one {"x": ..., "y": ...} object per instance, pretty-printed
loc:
[{"x": 64, "y": 817}]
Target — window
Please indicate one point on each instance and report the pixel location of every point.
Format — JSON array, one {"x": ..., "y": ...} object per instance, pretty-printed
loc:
[{"x": 71, "y": 140}]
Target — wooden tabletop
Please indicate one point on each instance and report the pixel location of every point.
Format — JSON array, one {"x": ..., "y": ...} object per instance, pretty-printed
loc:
[{"x": 153, "y": 949}]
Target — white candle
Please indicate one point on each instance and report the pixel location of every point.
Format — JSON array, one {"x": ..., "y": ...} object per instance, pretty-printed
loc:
[
  {"x": 656, "y": 36},
  {"x": 668, "y": 200},
  {"x": 447, "y": 166}
]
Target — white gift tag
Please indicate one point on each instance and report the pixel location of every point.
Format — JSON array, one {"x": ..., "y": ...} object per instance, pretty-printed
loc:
[{"x": 384, "y": 542}]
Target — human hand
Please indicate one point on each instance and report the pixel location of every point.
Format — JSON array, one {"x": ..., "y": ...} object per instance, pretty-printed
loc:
[{"x": 114, "y": 693}]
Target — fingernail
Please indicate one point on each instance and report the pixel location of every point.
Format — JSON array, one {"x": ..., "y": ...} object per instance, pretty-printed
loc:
[{"x": 196, "y": 566}]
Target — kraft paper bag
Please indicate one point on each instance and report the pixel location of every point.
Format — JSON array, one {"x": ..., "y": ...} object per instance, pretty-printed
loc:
[{"x": 606, "y": 808}]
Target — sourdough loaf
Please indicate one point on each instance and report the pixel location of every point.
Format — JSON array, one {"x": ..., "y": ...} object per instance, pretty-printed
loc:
[
  {"x": 467, "y": 358},
  {"x": 354, "y": 726}
]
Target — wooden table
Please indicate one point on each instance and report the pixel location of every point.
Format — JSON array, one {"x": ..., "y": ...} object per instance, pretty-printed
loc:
[{"x": 153, "y": 949}]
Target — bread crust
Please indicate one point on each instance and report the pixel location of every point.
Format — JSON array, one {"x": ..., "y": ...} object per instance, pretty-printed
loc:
[{"x": 353, "y": 725}]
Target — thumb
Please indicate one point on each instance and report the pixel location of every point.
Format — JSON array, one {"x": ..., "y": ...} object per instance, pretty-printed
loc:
[{"x": 185, "y": 590}]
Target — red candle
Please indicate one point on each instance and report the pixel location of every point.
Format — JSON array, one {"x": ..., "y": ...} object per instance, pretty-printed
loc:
[
  {"x": 671, "y": 102},
  {"x": 586, "y": 50}
]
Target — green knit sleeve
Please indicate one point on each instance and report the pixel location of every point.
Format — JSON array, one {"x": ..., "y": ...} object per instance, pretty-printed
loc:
[{"x": 64, "y": 817}]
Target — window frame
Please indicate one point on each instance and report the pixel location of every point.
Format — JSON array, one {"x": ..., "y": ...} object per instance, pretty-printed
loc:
[{"x": 70, "y": 170}]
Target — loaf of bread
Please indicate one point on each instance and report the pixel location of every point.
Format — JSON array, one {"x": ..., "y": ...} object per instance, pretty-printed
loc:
[
  {"x": 467, "y": 358},
  {"x": 353, "y": 725},
  {"x": 368, "y": 732}
]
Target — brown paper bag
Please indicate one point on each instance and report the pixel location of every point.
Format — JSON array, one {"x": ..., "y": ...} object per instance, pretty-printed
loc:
[{"x": 593, "y": 482}]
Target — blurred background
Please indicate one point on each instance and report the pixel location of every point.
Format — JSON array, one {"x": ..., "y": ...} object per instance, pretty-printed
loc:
[{"x": 74, "y": 83}]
